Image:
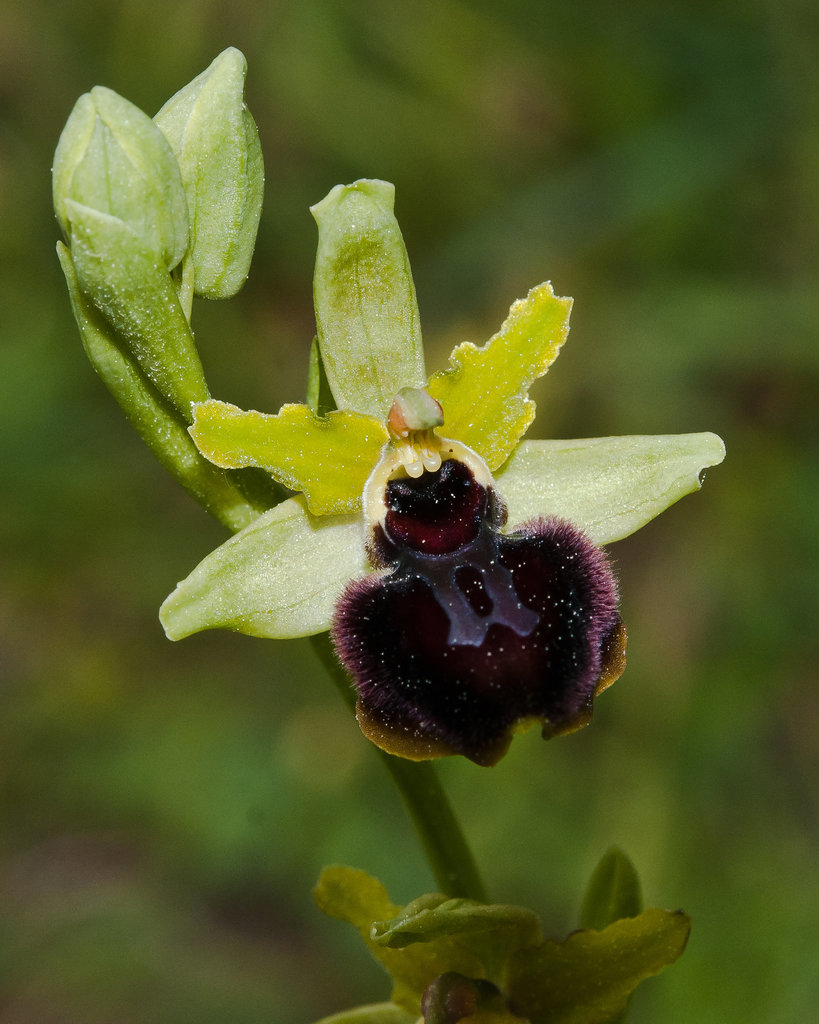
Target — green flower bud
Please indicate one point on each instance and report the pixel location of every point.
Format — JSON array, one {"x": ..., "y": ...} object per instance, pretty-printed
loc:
[
  {"x": 112, "y": 159},
  {"x": 217, "y": 146},
  {"x": 452, "y": 998}
]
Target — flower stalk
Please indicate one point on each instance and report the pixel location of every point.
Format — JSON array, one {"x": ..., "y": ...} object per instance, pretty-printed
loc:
[{"x": 447, "y": 851}]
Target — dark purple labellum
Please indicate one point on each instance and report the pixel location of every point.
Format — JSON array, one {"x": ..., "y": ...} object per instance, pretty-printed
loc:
[{"x": 467, "y": 634}]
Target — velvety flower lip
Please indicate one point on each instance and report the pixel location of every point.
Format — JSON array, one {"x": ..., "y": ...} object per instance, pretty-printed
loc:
[
  {"x": 458, "y": 565},
  {"x": 467, "y": 635}
]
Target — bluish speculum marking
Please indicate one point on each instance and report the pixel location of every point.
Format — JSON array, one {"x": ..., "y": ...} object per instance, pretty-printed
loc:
[{"x": 441, "y": 525}]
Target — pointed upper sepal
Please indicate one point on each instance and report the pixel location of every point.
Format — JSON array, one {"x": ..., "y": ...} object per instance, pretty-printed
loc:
[
  {"x": 436, "y": 916},
  {"x": 280, "y": 577},
  {"x": 217, "y": 147},
  {"x": 484, "y": 391},
  {"x": 366, "y": 314},
  {"x": 112, "y": 159},
  {"x": 608, "y": 487},
  {"x": 328, "y": 458}
]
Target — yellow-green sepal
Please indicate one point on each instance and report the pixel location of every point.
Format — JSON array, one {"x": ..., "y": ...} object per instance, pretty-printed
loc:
[
  {"x": 328, "y": 458},
  {"x": 278, "y": 578},
  {"x": 484, "y": 393},
  {"x": 366, "y": 314},
  {"x": 608, "y": 487}
]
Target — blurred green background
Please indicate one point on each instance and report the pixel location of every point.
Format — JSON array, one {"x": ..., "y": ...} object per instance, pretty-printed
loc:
[{"x": 166, "y": 808}]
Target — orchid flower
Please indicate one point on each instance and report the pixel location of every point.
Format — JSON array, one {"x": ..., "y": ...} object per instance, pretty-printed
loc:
[{"x": 458, "y": 567}]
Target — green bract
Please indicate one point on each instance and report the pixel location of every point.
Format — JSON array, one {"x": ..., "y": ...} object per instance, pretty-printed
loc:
[
  {"x": 369, "y": 350},
  {"x": 155, "y": 419},
  {"x": 136, "y": 296}
]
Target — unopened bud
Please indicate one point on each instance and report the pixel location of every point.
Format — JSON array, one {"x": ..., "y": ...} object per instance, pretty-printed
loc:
[
  {"x": 113, "y": 160},
  {"x": 217, "y": 147},
  {"x": 453, "y": 997}
]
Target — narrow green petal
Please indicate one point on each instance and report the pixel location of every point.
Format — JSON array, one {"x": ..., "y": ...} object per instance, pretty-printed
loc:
[
  {"x": 279, "y": 578},
  {"x": 366, "y": 314},
  {"x": 327, "y": 457},
  {"x": 484, "y": 391},
  {"x": 607, "y": 486},
  {"x": 319, "y": 397}
]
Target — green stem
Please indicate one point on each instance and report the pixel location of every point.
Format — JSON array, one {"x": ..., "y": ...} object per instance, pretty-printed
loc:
[
  {"x": 443, "y": 840},
  {"x": 444, "y": 843}
]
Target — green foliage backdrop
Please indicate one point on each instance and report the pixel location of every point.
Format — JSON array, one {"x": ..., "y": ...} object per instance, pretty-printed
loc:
[{"x": 165, "y": 809}]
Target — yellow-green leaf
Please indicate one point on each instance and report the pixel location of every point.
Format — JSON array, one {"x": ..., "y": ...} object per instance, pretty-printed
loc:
[
  {"x": 354, "y": 896},
  {"x": 484, "y": 391},
  {"x": 587, "y": 978},
  {"x": 327, "y": 457}
]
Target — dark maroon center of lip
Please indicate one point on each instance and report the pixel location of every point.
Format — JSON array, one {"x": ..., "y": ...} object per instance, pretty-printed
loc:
[{"x": 435, "y": 513}]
